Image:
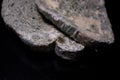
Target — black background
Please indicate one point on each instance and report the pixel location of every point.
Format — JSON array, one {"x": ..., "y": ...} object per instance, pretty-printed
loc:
[{"x": 18, "y": 62}]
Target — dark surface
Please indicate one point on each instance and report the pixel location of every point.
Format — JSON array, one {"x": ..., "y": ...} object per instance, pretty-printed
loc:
[{"x": 18, "y": 62}]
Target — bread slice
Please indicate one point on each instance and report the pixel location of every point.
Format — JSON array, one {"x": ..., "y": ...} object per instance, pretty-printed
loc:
[
  {"x": 85, "y": 21},
  {"x": 22, "y": 16}
]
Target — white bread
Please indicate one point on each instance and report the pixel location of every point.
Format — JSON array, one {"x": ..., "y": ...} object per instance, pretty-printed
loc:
[{"x": 22, "y": 16}]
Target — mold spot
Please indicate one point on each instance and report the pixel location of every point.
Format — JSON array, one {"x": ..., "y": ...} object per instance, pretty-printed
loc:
[
  {"x": 61, "y": 40},
  {"x": 12, "y": 4},
  {"x": 33, "y": 17}
]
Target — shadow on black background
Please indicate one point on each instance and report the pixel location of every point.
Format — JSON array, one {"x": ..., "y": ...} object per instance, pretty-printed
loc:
[{"x": 18, "y": 62}]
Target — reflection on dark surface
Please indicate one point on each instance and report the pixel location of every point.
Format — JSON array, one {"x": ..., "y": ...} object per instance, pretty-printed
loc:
[{"x": 18, "y": 62}]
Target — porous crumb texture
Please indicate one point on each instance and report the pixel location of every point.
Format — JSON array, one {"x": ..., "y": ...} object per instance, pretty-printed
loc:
[{"x": 23, "y": 17}]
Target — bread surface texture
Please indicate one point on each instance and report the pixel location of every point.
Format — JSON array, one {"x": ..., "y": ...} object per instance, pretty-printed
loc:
[{"x": 83, "y": 20}]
